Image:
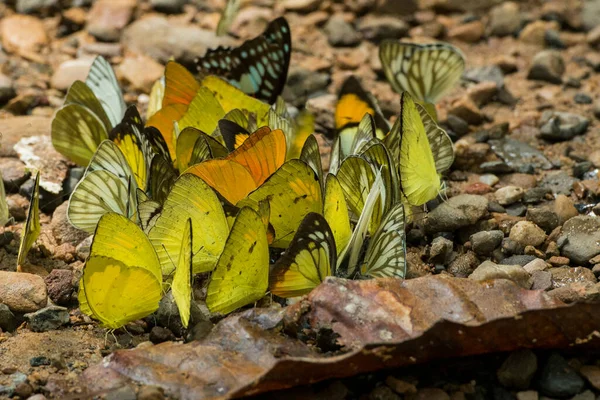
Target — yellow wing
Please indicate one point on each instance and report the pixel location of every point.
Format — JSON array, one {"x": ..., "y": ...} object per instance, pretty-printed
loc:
[
  {"x": 190, "y": 197},
  {"x": 230, "y": 97},
  {"x": 335, "y": 212},
  {"x": 308, "y": 260},
  {"x": 293, "y": 191},
  {"x": 419, "y": 179},
  {"x": 32, "y": 228},
  {"x": 182, "y": 280},
  {"x": 242, "y": 273},
  {"x": 204, "y": 112},
  {"x": 121, "y": 279},
  {"x": 77, "y": 132},
  {"x": 4, "y": 214}
]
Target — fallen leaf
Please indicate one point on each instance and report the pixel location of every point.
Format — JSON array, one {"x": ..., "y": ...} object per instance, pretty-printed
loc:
[{"x": 375, "y": 324}]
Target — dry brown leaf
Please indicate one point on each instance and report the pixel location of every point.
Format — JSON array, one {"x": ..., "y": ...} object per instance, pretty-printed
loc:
[{"x": 378, "y": 324}]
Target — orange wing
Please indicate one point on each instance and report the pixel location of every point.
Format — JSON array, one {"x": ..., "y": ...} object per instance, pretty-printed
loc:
[
  {"x": 262, "y": 153},
  {"x": 180, "y": 85},
  {"x": 163, "y": 121},
  {"x": 227, "y": 177}
]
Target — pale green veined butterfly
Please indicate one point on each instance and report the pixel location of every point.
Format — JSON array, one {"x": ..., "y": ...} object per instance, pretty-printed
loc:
[{"x": 426, "y": 71}]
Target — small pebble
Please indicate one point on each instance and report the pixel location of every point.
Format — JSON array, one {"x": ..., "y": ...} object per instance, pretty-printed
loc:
[
  {"x": 582, "y": 98},
  {"x": 509, "y": 195},
  {"x": 527, "y": 233},
  {"x": 547, "y": 65},
  {"x": 489, "y": 179}
]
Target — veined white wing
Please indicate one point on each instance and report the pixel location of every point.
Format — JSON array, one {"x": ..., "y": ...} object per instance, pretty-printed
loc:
[
  {"x": 386, "y": 252},
  {"x": 103, "y": 82},
  {"x": 426, "y": 71}
]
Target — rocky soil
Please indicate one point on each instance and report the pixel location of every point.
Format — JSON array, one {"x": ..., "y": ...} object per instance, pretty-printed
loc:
[{"x": 523, "y": 190}]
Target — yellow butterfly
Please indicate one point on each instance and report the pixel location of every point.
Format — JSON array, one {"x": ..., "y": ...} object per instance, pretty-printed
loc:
[
  {"x": 241, "y": 276},
  {"x": 296, "y": 130},
  {"x": 310, "y": 257},
  {"x": 31, "y": 229},
  {"x": 181, "y": 287},
  {"x": 4, "y": 213},
  {"x": 122, "y": 279},
  {"x": 292, "y": 191},
  {"x": 411, "y": 151},
  {"x": 190, "y": 198}
]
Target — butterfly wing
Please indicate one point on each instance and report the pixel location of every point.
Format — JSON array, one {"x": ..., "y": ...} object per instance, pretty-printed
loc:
[
  {"x": 419, "y": 179},
  {"x": 190, "y": 197},
  {"x": 80, "y": 93},
  {"x": 293, "y": 191},
  {"x": 426, "y": 71},
  {"x": 310, "y": 258},
  {"x": 96, "y": 194},
  {"x": 259, "y": 66},
  {"x": 241, "y": 276},
  {"x": 121, "y": 279},
  {"x": 335, "y": 212},
  {"x": 311, "y": 155},
  {"x": 129, "y": 137},
  {"x": 386, "y": 253},
  {"x": 89, "y": 131},
  {"x": 161, "y": 179},
  {"x": 262, "y": 153},
  {"x": 182, "y": 279},
  {"x": 439, "y": 141},
  {"x": 229, "y": 178},
  {"x": 32, "y": 228},
  {"x": 229, "y": 12},
  {"x": 103, "y": 82},
  {"x": 233, "y": 134},
  {"x": 4, "y": 213}
]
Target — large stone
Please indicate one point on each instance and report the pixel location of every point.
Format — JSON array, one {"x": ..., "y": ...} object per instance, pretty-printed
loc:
[
  {"x": 70, "y": 71},
  {"x": 518, "y": 369},
  {"x": 340, "y": 33},
  {"x": 107, "y": 18},
  {"x": 376, "y": 28},
  {"x": 559, "y": 379},
  {"x": 141, "y": 72},
  {"x": 16, "y": 128},
  {"x": 162, "y": 39},
  {"x": 505, "y": 19},
  {"x": 558, "y": 126},
  {"x": 22, "y": 33},
  {"x": 458, "y": 212},
  {"x": 22, "y": 292},
  {"x": 490, "y": 270},
  {"x": 580, "y": 239}
]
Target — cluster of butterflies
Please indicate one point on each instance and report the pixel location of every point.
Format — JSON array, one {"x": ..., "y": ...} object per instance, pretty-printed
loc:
[{"x": 220, "y": 182}]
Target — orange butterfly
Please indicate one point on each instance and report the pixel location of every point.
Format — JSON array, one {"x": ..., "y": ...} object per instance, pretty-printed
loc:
[{"x": 245, "y": 168}]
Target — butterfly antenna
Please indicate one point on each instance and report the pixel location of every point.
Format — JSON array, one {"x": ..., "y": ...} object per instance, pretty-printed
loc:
[{"x": 170, "y": 259}]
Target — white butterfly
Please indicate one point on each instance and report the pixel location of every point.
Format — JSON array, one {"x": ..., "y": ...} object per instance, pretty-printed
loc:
[{"x": 426, "y": 71}]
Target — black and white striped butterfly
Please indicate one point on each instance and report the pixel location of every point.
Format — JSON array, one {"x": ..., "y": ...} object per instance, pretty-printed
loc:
[
  {"x": 258, "y": 67},
  {"x": 426, "y": 71}
]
